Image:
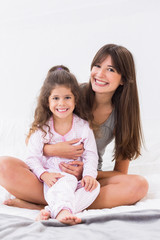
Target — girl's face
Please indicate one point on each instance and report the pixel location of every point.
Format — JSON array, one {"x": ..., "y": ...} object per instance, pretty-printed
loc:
[
  {"x": 61, "y": 102},
  {"x": 104, "y": 77}
]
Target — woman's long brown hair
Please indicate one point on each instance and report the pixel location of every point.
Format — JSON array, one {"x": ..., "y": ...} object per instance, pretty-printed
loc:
[{"x": 128, "y": 132}]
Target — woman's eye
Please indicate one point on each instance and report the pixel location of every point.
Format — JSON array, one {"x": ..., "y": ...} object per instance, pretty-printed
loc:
[
  {"x": 111, "y": 70},
  {"x": 97, "y": 65}
]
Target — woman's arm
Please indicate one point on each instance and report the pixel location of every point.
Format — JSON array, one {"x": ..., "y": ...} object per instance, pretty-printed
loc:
[
  {"x": 64, "y": 149},
  {"x": 67, "y": 150},
  {"x": 89, "y": 157},
  {"x": 72, "y": 169},
  {"x": 121, "y": 167}
]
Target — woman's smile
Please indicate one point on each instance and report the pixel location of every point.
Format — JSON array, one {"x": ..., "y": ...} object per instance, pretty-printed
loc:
[{"x": 100, "y": 82}]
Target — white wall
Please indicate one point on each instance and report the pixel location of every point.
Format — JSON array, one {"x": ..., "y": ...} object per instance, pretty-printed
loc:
[{"x": 37, "y": 34}]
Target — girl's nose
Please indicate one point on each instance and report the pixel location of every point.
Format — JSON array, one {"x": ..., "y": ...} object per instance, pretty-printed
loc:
[{"x": 61, "y": 101}]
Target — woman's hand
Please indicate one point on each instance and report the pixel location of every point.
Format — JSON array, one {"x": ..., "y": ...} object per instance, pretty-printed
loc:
[
  {"x": 89, "y": 183},
  {"x": 69, "y": 151},
  {"x": 50, "y": 178},
  {"x": 75, "y": 168},
  {"x": 64, "y": 149}
]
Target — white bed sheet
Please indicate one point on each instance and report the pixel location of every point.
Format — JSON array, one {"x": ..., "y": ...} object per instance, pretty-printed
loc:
[{"x": 12, "y": 142}]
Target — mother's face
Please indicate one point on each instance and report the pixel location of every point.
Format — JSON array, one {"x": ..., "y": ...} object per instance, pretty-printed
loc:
[{"x": 104, "y": 77}]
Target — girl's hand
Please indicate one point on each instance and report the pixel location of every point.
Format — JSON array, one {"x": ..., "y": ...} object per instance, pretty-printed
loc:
[
  {"x": 67, "y": 149},
  {"x": 50, "y": 178},
  {"x": 72, "y": 169},
  {"x": 89, "y": 183}
]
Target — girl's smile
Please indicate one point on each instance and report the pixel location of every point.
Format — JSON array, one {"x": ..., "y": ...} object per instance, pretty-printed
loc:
[{"x": 62, "y": 109}]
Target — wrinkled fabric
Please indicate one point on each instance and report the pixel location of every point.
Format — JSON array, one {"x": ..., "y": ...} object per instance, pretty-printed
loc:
[{"x": 137, "y": 225}]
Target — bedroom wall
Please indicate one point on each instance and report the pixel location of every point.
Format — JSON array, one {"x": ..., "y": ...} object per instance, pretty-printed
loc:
[{"x": 35, "y": 35}]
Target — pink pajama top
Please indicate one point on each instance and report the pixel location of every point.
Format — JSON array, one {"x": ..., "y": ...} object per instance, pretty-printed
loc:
[{"x": 39, "y": 163}]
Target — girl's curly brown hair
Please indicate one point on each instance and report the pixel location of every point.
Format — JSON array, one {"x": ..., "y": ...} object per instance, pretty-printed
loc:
[{"x": 57, "y": 75}]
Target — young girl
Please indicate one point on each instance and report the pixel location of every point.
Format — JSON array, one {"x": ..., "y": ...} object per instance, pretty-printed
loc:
[{"x": 57, "y": 119}]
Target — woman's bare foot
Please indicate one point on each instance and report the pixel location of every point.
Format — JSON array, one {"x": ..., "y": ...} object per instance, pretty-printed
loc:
[
  {"x": 22, "y": 204},
  {"x": 66, "y": 217},
  {"x": 43, "y": 215}
]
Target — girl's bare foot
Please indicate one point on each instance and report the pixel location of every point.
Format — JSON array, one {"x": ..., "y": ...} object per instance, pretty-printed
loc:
[
  {"x": 66, "y": 217},
  {"x": 22, "y": 204},
  {"x": 43, "y": 215}
]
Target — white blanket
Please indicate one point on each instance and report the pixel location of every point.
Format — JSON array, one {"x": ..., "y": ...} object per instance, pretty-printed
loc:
[{"x": 12, "y": 142}]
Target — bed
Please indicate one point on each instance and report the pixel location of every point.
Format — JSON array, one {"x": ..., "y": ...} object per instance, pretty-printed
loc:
[{"x": 138, "y": 221}]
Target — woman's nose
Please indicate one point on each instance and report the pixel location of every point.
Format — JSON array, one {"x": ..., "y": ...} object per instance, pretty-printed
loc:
[{"x": 100, "y": 72}]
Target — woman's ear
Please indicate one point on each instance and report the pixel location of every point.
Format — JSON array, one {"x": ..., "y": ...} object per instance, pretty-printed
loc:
[{"x": 122, "y": 81}]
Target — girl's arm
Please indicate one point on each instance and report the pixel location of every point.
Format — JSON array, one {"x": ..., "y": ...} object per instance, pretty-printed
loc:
[
  {"x": 50, "y": 178},
  {"x": 90, "y": 160},
  {"x": 90, "y": 155},
  {"x": 34, "y": 160},
  {"x": 35, "y": 153},
  {"x": 89, "y": 183}
]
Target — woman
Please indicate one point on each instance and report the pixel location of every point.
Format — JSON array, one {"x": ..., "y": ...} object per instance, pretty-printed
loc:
[{"x": 111, "y": 98}]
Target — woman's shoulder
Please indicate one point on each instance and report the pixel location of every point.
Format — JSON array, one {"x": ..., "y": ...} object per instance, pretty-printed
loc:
[{"x": 83, "y": 86}]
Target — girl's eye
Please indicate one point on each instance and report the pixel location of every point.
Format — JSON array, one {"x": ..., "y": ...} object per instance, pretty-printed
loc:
[
  {"x": 55, "y": 98},
  {"x": 68, "y": 97}
]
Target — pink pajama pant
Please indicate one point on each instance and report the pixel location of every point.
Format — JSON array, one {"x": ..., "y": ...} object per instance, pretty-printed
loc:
[{"x": 67, "y": 193}]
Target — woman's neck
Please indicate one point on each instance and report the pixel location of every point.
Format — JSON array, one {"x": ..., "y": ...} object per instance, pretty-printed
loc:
[
  {"x": 102, "y": 100},
  {"x": 63, "y": 125},
  {"x": 102, "y": 108}
]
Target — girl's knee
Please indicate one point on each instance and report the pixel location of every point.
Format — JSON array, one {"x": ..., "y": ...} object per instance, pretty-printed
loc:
[
  {"x": 96, "y": 191},
  {"x": 71, "y": 177},
  {"x": 98, "y": 186}
]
